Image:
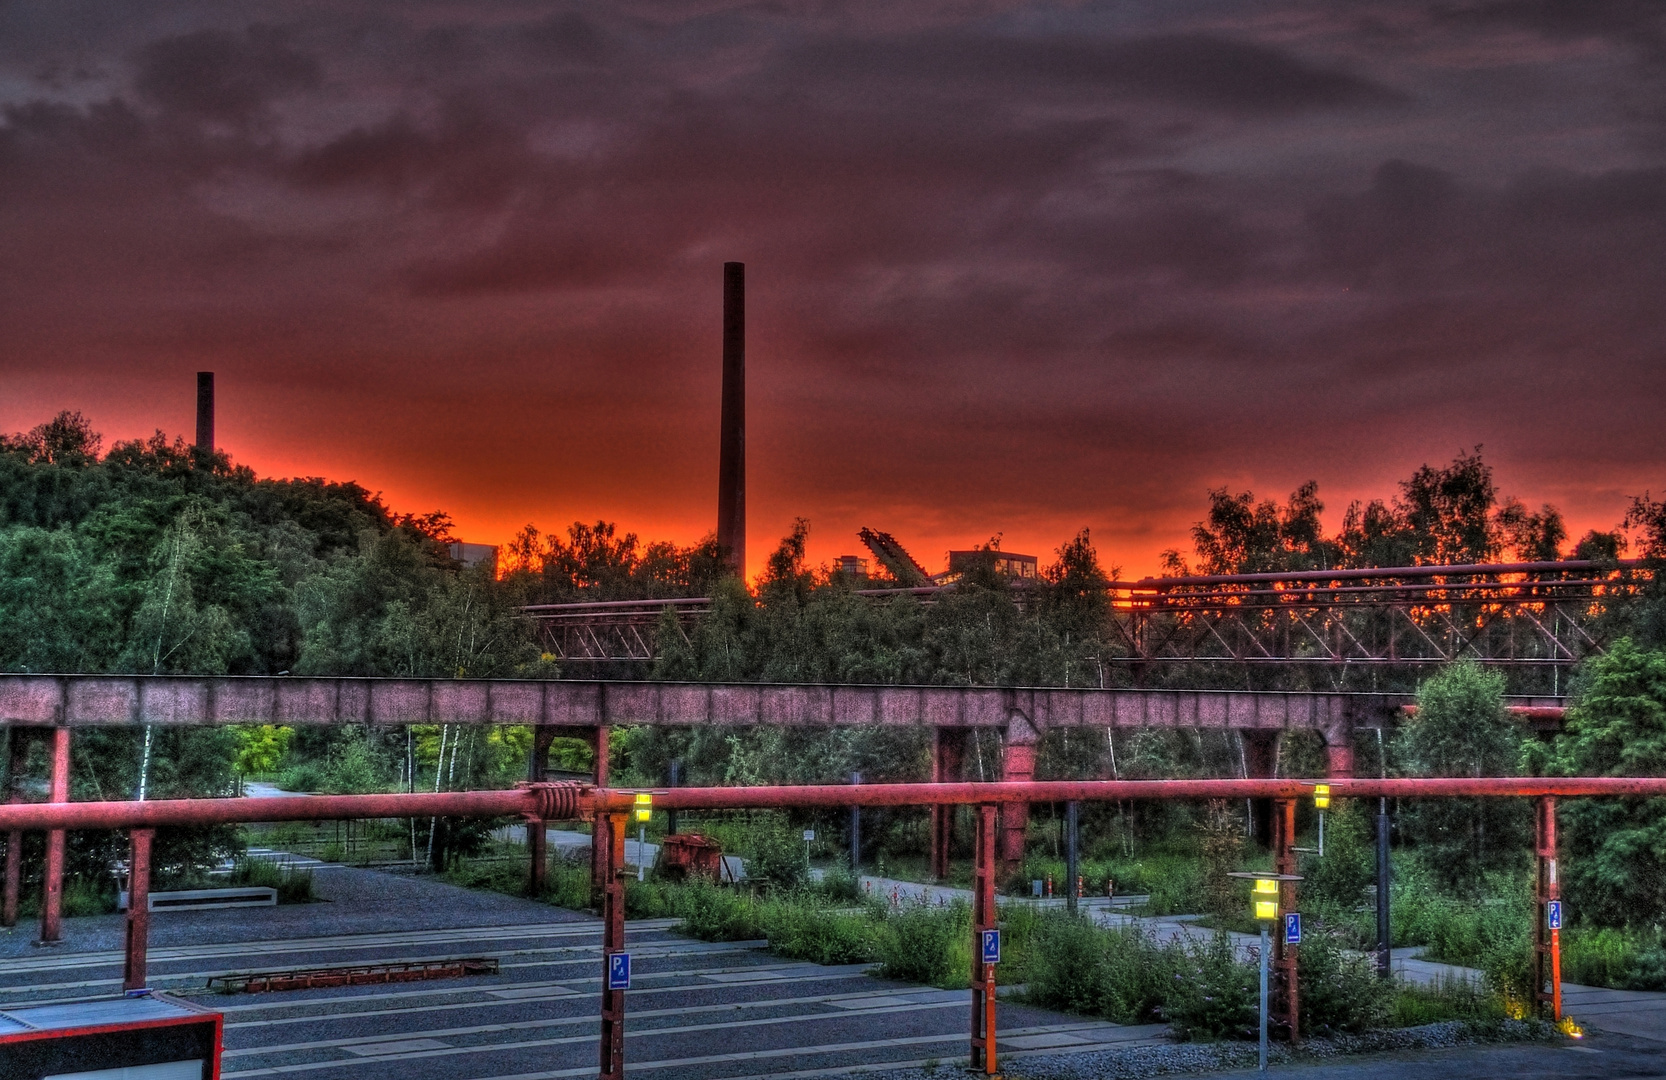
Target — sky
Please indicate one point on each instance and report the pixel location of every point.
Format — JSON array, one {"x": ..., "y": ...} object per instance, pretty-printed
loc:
[{"x": 1015, "y": 269}]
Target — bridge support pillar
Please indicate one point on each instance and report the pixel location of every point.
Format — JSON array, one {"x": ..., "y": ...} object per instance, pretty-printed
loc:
[
  {"x": 609, "y": 839},
  {"x": 1260, "y": 762},
  {"x": 984, "y": 869},
  {"x": 948, "y": 759},
  {"x": 138, "y": 911},
  {"x": 597, "y": 737},
  {"x": 1339, "y": 755},
  {"x": 537, "y": 770},
  {"x": 52, "y": 892},
  {"x": 1018, "y": 765},
  {"x": 14, "y": 837}
]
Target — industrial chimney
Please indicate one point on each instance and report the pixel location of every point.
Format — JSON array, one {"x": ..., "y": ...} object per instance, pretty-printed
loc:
[
  {"x": 731, "y": 466},
  {"x": 205, "y": 411}
]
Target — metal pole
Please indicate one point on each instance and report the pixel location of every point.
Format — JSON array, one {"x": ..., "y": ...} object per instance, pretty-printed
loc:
[
  {"x": 610, "y": 841},
  {"x": 1072, "y": 859},
  {"x": 1385, "y": 963},
  {"x": 52, "y": 898},
  {"x": 676, "y": 778},
  {"x": 984, "y": 917},
  {"x": 1284, "y": 825},
  {"x": 138, "y": 911},
  {"x": 1266, "y": 946},
  {"x": 856, "y": 833},
  {"x": 1547, "y": 939}
]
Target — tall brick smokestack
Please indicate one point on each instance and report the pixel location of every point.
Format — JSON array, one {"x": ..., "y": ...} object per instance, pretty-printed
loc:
[
  {"x": 731, "y": 466},
  {"x": 205, "y": 411}
]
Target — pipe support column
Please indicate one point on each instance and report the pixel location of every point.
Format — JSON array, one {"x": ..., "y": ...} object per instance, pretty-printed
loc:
[
  {"x": 138, "y": 911},
  {"x": 984, "y": 917},
  {"x": 1284, "y": 819},
  {"x": 1547, "y": 941},
  {"x": 52, "y": 890},
  {"x": 609, "y": 839}
]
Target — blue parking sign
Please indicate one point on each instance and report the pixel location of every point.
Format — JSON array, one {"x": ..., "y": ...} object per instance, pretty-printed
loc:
[
  {"x": 619, "y": 971},
  {"x": 1292, "y": 928},
  {"x": 1553, "y": 914},
  {"x": 992, "y": 946}
]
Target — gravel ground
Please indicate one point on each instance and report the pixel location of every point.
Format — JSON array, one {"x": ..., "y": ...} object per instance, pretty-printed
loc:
[{"x": 1136, "y": 1063}]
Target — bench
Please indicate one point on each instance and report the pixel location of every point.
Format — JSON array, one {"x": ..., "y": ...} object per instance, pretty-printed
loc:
[{"x": 200, "y": 899}]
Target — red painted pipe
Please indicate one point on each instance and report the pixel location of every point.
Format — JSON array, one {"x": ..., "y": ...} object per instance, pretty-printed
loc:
[
  {"x": 1111, "y": 790},
  {"x": 569, "y": 801},
  {"x": 160, "y": 812}
]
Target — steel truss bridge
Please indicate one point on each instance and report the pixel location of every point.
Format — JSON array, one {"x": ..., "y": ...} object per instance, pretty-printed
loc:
[{"x": 1345, "y": 627}]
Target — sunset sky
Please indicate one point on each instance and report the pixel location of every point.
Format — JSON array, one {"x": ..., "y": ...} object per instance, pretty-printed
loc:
[{"x": 1011, "y": 268}]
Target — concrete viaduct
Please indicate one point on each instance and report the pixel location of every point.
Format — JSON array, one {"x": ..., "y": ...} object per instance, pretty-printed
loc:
[{"x": 587, "y": 709}]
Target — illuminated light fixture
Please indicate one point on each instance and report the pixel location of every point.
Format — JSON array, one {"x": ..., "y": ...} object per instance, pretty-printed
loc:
[
  {"x": 1266, "y": 898},
  {"x": 1266, "y": 910},
  {"x": 1321, "y": 795},
  {"x": 644, "y": 806}
]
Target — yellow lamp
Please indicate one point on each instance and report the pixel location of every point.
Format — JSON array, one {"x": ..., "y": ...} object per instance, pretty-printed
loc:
[
  {"x": 644, "y": 806},
  {"x": 1321, "y": 795},
  {"x": 1266, "y": 898}
]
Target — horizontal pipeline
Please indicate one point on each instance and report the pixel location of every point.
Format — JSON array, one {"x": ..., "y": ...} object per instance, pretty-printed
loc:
[{"x": 569, "y": 801}]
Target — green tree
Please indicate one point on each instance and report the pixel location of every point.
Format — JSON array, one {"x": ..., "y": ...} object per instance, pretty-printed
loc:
[
  {"x": 1614, "y": 862},
  {"x": 1462, "y": 729}
]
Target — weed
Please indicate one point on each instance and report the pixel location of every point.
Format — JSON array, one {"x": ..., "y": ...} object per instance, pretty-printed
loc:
[{"x": 293, "y": 885}]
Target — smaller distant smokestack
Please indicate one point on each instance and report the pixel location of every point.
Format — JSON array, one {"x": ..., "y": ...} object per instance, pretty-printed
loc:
[
  {"x": 731, "y": 467},
  {"x": 205, "y": 411}
]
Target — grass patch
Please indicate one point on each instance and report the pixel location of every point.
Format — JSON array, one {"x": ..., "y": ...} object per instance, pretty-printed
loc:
[
  {"x": 1452, "y": 1000},
  {"x": 294, "y": 884}
]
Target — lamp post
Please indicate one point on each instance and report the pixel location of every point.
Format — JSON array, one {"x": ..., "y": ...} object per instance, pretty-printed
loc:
[
  {"x": 1264, "y": 898},
  {"x": 644, "y": 813}
]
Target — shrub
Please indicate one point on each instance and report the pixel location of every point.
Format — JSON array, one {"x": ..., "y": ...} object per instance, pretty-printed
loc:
[
  {"x": 713, "y": 913},
  {"x": 927, "y": 944},
  {"x": 1119, "y": 974},
  {"x": 1340, "y": 989},
  {"x": 1212, "y": 994},
  {"x": 305, "y": 776},
  {"x": 801, "y": 928}
]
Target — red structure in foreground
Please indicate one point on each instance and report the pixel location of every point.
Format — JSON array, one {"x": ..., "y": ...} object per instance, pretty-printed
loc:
[{"x": 609, "y": 810}]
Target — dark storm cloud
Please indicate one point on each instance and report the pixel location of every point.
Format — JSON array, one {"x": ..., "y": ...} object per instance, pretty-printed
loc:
[
  {"x": 1021, "y": 269},
  {"x": 1198, "y": 70},
  {"x": 215, "y": 75}
]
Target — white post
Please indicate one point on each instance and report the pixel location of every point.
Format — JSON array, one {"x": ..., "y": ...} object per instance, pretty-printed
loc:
[
  {"x": 1265, "y": 948},
  {"x": 642, "y": 853}
]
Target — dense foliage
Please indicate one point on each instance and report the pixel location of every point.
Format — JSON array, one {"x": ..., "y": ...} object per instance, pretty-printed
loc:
[
  {"x": 1461, "y": 729},
  {"x": 1617, "y": 876}
]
